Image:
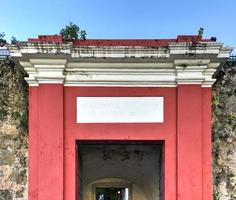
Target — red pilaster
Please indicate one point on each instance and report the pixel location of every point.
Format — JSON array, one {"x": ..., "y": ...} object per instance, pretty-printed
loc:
[
  {"x": 50, "y": 160},
  {"x": 206, "y": 144},
  {"x": 33, "y": 143},
  {"x": 189, "y": 142}
]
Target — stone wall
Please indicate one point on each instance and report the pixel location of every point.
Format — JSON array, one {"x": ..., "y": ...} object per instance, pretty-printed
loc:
[
  {"x": 224, "y": 133},
  {"x": 13, "y": 132}
]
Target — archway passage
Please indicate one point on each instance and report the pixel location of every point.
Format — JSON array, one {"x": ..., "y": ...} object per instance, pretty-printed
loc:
[{"x": 120, "y": 171}]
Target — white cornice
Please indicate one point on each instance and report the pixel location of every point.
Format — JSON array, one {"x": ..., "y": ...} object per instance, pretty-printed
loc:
[{"x": 179, "y": 63}]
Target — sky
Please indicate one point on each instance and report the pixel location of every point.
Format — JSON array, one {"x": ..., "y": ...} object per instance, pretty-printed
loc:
[{"x": 119, "y": 19}]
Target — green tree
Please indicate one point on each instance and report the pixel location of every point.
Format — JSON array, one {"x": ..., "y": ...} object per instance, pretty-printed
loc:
[
  {"x": 83, "y": 34},
  {"x": 72, "y": 31},
  {"x": 2, "y": 40},
  {"x": 200, "y": 31},
  {"x": 14, "y": 40}
]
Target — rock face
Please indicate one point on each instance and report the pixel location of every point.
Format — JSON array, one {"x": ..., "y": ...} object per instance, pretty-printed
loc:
[
  {"x": 224, "y": 133},
  {"x": 13, "y": 132}
]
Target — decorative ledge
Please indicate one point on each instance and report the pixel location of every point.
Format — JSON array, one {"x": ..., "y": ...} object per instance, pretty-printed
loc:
[{"x": 139, "y": 63}]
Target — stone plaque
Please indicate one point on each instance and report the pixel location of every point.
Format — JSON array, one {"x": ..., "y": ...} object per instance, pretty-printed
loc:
[{"x": 120, "y": 109}]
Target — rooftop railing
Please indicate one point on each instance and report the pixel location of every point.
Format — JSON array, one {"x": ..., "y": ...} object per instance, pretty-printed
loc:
[
  {"x": 232, "y": 57},
  {"x": 4, "y": 53}
]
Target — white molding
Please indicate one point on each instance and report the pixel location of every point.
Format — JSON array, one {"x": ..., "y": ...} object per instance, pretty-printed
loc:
[
  {"x": 118, "y": 65},
  {"x": 124, "y": 66},
  {"x": 119, "y": 52},
  {"x": 122, "y": 84},
  {"x": 47, "y": 62}
]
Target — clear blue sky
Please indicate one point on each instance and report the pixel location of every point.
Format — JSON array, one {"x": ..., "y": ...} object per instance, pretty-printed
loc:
[{"x": 120, "y": 18}]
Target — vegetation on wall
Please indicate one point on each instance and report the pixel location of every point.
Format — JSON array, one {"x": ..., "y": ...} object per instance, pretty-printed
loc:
[
  {"x": 13, "y": 131},
  {"x": 224, "y": 133}
]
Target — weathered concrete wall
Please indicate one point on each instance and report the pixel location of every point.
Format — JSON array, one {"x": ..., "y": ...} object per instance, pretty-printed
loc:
[
  {"x": 137, "y": 164},
  {"x": 13, "y": 132},
  {"x": 224, "y": 133}
]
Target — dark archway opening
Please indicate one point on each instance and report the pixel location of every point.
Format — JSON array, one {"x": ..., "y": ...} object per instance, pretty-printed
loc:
[{"x": 114, "y": 170}]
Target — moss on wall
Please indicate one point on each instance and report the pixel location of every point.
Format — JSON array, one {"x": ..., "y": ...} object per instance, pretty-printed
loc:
[
  {"x": 224, "y": 133},
  {"x": 13, "y": 131}
]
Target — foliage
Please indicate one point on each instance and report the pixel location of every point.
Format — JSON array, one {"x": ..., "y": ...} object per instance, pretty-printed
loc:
[
  {"x": 13, "y": 130},
  {"x": 224, "y": 132},
  {"x": 14, "y": 40},
  {"x": 73, "y": 31},
  {"x": 108, "y": 193},
  {"x": 14, "y": 93},
  {"x": 200, "y": 31},
  {"x": 2, "y": 40},
  {"x": 83, "y": 34}
]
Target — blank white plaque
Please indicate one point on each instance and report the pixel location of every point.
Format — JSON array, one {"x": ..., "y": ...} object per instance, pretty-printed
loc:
[{"x": 120, "y": 109}]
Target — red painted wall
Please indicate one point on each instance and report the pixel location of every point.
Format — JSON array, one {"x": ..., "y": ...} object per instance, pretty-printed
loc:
[
  {"x": 119, "y": 42},
  {"x": 189, "y": 142},
  {"x": 115, "y": 131},
  {"x": 50, "y": 129},
  {"x": 46, "y": 176},
  {"x": 54, "y": 132},
  {"x": 206, "y": 145},
  {"x": 33, "y": 143}
]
